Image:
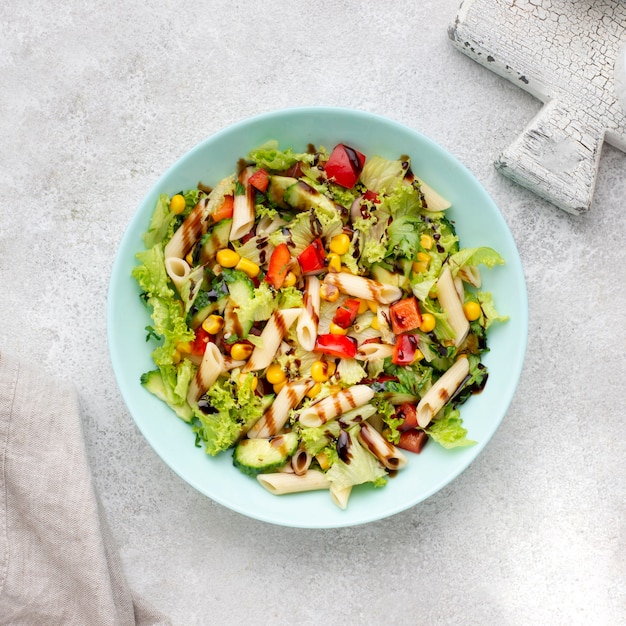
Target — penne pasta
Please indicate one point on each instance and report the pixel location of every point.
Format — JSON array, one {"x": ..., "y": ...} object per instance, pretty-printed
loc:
[
  {"x": 243, "y": 207},
  {"x": 301, "y": 461},
  {"x": 211, "y": 367},
  {"x": 332, "y": 406},
  {"x": 361, "y": 287},
  {"x": 356, "y": 416},
  {"x": 390, "y": 456},
  {"x": 374, "y": 351},
  {"x": 434, "y": 200},
  {"x": 442, "y": 390},
  {"x": 270, "y": 340},
  {"x": 281, "y": 483},
  {"x": 340, "y": 495},
  {"x": 308, "y": 321},
  {"x": 470, "y": 274},
  {"x": 452, "y": 306},
  {"x": 189, "y": 232},
  {"x": 277, "y": 415},
  {"x": 178, "y": 270}
]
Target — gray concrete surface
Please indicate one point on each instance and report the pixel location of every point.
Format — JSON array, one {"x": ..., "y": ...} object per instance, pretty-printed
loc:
[{"x": 98, "y": 99}]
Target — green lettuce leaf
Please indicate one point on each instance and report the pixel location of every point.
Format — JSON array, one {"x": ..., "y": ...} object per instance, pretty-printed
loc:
[
  {"x": 448, "y": 430},
  {"x": 488, "y": 307},
  {"x": 381, "y": 175},
  {"x": 151, "y": 274},
  {"x": 269, "y": 157}
]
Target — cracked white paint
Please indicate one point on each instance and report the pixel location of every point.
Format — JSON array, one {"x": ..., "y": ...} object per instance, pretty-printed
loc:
[{"x": 567, "y": 54}]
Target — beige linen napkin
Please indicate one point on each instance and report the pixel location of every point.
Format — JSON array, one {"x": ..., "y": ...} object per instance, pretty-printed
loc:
[{"x": 58, "y": 564}]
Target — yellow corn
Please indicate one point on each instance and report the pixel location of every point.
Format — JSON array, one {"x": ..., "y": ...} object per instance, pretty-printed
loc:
[
  {"x": 334, "y": 262},
  {"x": 184, "y": 347},
  {"x": 337, "y": 330},
  {"x": 278, "y": 386},
  {"x": 248, "y": 267},
  {"x": 375, "y": 325},
  {"x": 323, "y": 460},
  {"x": 313, "y": 391},
  {"x": 426, "y": 241},
  {"x": 424, "y": 258},
  {"x": 176, "y": 357},
  {"x": 213, "y": 324},
  {"x": 472, "y": 311},
  {"x": 363, "y": 306},
  {"x": 177, "y": 204},
  {"x": 290, "y": 279},
  {"x": 419, "y": 356},
  {"x": 419, "y": 267},
  {"x": 372, "y": 305},
  {"x": 321, "y": 371},
  {"x": 275, "y": 374},
  {"x": 227, "y": 257},
  {"x": 240, "y": 351},
  {"x": 340, "y": 244},
  {"x": 428, "y": 322},
  {"x": 330, "y": 293},
  {"x": 189, "y": 258},
  {"x": 255, "y": 380}
]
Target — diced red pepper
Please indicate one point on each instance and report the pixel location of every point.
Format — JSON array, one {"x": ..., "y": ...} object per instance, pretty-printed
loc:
[
  {"x": 225, "y": 210},
  {"x": 372, "y": 196},
  {"x": 260, "y": 180},
  {"x": 345, "y": 165},
  {"x": 278, "y": 266},
  {"x": 405, "y": 315},
  {"x": 407, "y": 412},
  {"x": 413, "y": 441},
  {"x": 346, "y": 313},
  {"x": 312, "y": 259},
  {"x": 199, "y": 344},
  {"x": 404, "y": 349},
  {"x": 336, "y": 345}
]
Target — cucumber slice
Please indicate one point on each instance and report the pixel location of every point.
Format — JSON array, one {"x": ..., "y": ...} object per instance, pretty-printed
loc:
[
  {"x": 263, "y": 456},
  {"x": 153, "y": 382}
]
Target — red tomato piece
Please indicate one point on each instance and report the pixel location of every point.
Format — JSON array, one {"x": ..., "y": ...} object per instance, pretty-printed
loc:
[
  {"x": 346, "y": 313},
  {"x": 336, "y": 345},
  {"x": 312, "y": 259},
  {"x": 278, "y": 266},
  {"x": 405, "y": 315},
  {"x": 225, "y": 210},
  {"x": 260, "y": 180},
  {"x": 413, "y": 440},
  {"x": 344, "y": 165},
  {"x": 372, "y": 196},
  {"x": 200, "y": 341},
  {"x": 404, "y": 349},
  {"x": 407, "y": 412}
]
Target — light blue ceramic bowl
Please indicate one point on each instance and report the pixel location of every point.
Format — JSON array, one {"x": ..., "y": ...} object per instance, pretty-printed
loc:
[{"x": 478, "y": 221}]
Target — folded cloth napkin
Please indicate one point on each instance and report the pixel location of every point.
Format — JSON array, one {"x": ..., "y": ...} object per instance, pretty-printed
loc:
[{"x": 58, "y": 564}]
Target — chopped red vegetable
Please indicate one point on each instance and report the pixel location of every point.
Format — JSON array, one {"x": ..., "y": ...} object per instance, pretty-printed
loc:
[
  {"x": 260, "y": 180},
  {"x": 278, "y": 266},
  {"x": 336, "y": 345},
  {"x": 407, "y": 412},
  {"x": 344, "y": 165},
  {"x": 199, "y": 344},
  {"x": 413, "y": 440},
  {"x": 225, "y": 210},
  {"x": 312, "y": 259},
  {"x": 346, "y": 313},
  {"x": 404, "y": 349},
  {"x": 405, "y": 315},
  {"x": 372, "y": 196}
]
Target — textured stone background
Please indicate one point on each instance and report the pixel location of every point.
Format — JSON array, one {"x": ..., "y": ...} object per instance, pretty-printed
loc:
[{"x": 98, "y": 99}]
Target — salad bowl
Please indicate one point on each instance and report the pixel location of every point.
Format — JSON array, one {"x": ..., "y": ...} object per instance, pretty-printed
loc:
[{"x": 478, "y": 222}]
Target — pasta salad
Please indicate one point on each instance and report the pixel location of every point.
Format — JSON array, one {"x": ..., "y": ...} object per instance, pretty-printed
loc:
[{"x": 314, "y": 314}]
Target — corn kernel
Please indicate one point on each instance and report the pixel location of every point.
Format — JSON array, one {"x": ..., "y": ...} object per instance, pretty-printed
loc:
[
  {"x": 290, "y": 279},
  {"x": 278, "y": 386},
  {"x": 363, "y": 306},
  {"x": 335, "y": 329},
  {"x": 426, "y": 241},
  {"x": 213, "y": 324},
  {"x": 177, "y": 204},
  {"x": 227, "y": 257},
  {"x": 372, "y": 305},
  {"x": 334, "y": 262},
  {"x": 323, "y": 460},
  {"x": 313, "y": 391},
  {"x": 176, "y": 357},
  {"x": 248, "y": 267},
  {"x": 320, "y": 371},
  {"x": 346, "y": 269},
  {"x": 419, "y": 267},
  {"x": 419, "y": 356},
  {"x": 472, "y": 310},
  {"x": 275, "y": 374},
  {"x": 424, "y": 258},
  {"x": 428, "y": 322},
  {"x": 184, "y": 347},
  {"x": 340, "y": 244},
  {"x": 330, "y": 293},
  {"x": 375, "y": 325},
  {"x": 255, "y": 380},
  {"x": 240, "y": 351},
  {"x": 189, "y": 258}
]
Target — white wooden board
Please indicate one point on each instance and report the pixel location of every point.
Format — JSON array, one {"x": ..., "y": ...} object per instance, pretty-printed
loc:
[{"x": 564, "y": 52}]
